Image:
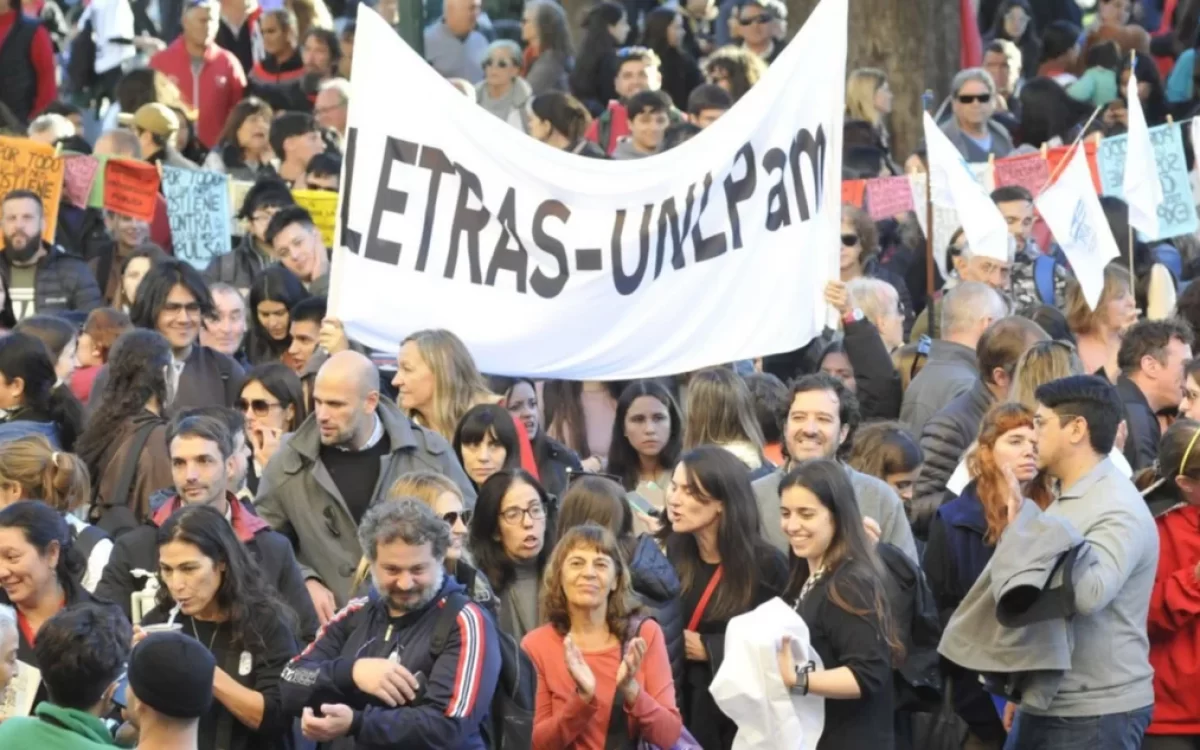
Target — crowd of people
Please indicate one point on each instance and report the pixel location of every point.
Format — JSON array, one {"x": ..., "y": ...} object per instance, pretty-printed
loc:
[{"x": 224, "y": 523}]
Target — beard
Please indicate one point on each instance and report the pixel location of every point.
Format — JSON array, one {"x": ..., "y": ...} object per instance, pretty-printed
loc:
[{"x": 20, "y": 249}]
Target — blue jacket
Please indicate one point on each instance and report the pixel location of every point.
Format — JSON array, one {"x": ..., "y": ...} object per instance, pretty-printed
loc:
[
  {"x": 19, "y": 428},
  {"x": 458, "y": 688}
]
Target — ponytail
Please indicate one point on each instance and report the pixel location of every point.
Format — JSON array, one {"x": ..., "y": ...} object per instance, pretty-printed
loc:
[
  {"x": 67, "y": 413},
  {"x": 66, "y": 485}
]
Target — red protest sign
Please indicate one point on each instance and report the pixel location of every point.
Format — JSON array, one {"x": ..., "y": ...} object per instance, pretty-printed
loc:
[
  {"x": 80, "y": 173},
  {"x": 130, "y": 188},
  {"x": 1055, "y": 156},
  {"x": 1029, "y": 172},
  {"x": 889, "y": 196},
  {"x": 852, "y": 192}
]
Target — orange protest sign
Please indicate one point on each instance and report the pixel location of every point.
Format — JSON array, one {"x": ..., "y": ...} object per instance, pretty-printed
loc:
[
  {"x": 131, "y": 188},
  {"x": 29, "y": 165},
  {"x": 853, "y": 191}
]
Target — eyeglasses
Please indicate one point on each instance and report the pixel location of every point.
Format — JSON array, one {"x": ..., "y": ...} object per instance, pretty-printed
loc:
[
  {"x": 502, "y": 64},
  {"x": 516, "y": 516},
  {"x": 849, "y": 240},
  {"x": 260, "y": 406},
  {"x": 760, "y": 20},
  {"x": 452, "y": 517},
  {"x": 971, "y": 98},
  {"x": 174, "y": 308}
]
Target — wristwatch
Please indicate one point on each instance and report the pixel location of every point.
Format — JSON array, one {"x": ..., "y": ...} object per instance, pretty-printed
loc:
[
  {"x": 853, "y": 316},
  {"x": 802, "y": 672}
]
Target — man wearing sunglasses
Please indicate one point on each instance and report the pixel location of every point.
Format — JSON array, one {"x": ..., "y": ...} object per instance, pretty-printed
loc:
[
  {"x": 755, "y": 21},
  {"x": 972, "y": 130}
]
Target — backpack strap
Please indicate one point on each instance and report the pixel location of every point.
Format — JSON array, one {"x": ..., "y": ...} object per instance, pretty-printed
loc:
[{"x": 1043, "y": 277}]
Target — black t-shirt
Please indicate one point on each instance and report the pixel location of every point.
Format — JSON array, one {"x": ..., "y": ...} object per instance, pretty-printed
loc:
[
  {"x": 355, "y": 473},
  {"x": 844, "y": 639}
]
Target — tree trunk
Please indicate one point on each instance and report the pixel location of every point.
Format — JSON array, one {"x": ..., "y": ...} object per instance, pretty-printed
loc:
[{"x": 915, "y": 43}]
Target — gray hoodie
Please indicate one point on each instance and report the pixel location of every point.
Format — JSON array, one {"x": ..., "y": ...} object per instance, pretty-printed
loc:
[{"x": 625, "y": 149}]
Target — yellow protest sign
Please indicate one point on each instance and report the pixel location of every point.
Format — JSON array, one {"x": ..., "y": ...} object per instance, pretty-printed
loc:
[
  {"x": 322, "y": 204},
  {"x": 33, "y": 166}
]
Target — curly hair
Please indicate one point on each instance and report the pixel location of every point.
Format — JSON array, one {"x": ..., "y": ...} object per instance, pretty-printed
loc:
[
  {"x": 136, "y": 374},
  {"x": 621, "y": 604},
  {"x": 742, "y": 67},
  {"x": 990, "y": 484}
]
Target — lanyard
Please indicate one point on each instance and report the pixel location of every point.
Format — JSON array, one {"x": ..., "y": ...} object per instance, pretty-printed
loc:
[{"x": 703, "y": 604}]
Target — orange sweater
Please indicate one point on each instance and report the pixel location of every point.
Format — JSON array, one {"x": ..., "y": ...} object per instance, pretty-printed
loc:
[{"x": 562, "y": 720}]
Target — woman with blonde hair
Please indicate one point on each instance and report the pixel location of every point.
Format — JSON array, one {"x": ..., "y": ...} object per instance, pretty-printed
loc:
[
  {"x": 1098, "y": 332},
  {"x": 446, "y": 500},
  {"x": 438, "y": 381},
  {"x": 869, "y": 98},
  {"x": 598, "y": 660},
  {"x": 1042, "y": 362},
  {"x": 30, "y": 469},
  {"x": 720, "y": 411},
  {"x": 964, "y": 533}
]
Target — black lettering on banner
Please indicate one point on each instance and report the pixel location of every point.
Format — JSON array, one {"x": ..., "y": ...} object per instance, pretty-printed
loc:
[
  {"x": 468, "y": 221},
  {"x": 737, "y": 191},
  {"x": 706, "y": 247},
  {"x": 814, "y": 148},
  {"x": 778, "y": 212},
  {"x": 546, "y": 286},
  {"x": 504, "y": 257},
  {"x": 433, "y": 159},
  {"x": 350, "y": 238},
  {"x": 388, "y": 200},
  {"x": 627, "y": 285},
  {"x": 669, "y": 217}
]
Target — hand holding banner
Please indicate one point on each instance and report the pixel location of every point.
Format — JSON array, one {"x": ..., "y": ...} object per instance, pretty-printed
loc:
[
  {"x": 29, "y": 165},
  {"x": 198, "y": 210}
]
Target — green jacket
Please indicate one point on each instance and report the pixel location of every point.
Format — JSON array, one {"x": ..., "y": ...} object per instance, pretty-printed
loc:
[{"x": 67, "y": 729}]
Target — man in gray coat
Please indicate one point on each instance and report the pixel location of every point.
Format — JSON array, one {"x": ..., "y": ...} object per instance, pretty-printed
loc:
[
  {"x": 820, "y": 415},
  {"x": 972, "y": 130},
  {"x": 342, "y": 460}
]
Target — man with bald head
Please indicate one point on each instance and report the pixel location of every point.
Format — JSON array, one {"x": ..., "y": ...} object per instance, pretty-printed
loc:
[{"x": 340, "y": 462}]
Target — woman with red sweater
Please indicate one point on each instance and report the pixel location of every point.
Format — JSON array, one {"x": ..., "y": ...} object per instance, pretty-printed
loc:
[
  {"x": 1174, "y": 622},
  {"x": 600, "y": 684}
]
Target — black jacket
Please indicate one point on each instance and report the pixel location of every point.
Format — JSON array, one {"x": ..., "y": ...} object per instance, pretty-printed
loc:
[
  {"x": 554, "y": 461},
  {"x": 944, "y": 440},
  {"x": 1141, "y": 445},
  {"x": 138, "y": 550},
  {"x": 237, "y": 267},
  {"x": 61, "y": 282},
  {"x": 879, "y": 393},
  {"x": 657, "y": 585},
  {"x": 209, "y": 378},
  {"x": 680, "y": 74}
]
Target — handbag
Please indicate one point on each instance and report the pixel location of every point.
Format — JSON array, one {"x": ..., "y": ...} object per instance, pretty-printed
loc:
[
  {"x": 618, "y": 737},
  {"x": 943, "y": 729}
]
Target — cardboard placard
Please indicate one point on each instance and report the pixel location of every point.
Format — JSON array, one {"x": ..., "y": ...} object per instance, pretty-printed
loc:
[
  {"x": 198, "y": 211},
  {"x": 1177, "y": 212},
  {"x": 17, "y": 698},
  {"x": 29, "y": 165},
  {"x": 322, "y": 204},
  {"x": 889, "y": 196},
  {"x": 78, "y": 177},
  {"x": 131, "y": 188},
  {"x": 1029, "y": 172},
  {"x": 853, "y": 191}
]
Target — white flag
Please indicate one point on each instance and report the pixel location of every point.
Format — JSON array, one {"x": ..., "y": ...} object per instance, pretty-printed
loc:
[
  {"x": 1143, "y": 191},
  {"x": 1073, "y": 213},
  {"x": 955, "y": 186}
]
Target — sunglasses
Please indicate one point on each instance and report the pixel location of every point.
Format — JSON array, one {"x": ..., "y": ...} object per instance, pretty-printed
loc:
[
  {"x": 849, "y": 240},
  {"x": 502, "y": 64},
  {"x": 452, "y": 517},
  {"x": 261, "y": 407},
  {"x": 759, "y": 20},
  {"x": 971, "y": 98}
]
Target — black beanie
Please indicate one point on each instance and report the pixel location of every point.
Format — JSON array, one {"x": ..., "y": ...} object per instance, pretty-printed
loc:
[{"x": 173, "y": 674}]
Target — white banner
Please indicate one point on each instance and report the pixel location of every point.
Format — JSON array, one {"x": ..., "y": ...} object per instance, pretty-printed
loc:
[{"x": 555, "y": 265}]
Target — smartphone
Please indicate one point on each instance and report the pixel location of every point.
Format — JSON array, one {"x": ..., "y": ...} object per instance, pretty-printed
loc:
[
  {"x": 642, "y": 504},
  {"x": 118, "y": 697}
]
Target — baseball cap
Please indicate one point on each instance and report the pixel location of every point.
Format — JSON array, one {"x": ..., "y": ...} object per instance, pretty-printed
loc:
[
  {"x": 173, "y": 674},
  {"x": 155, "y": 118}
]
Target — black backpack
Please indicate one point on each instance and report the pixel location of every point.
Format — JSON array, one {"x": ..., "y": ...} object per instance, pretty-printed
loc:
[{"x": 509, "y": 725}]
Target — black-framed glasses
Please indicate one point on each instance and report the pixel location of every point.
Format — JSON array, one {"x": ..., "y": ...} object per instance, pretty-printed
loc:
[
  {"x": 259, "y": 406},
  {"x": 452, "y": 517},
  {"x": 849, "y": 240},
  {"x": 972, "y": 98},
  {"x": 574, "y": 476},
  {"x": 516, "y": 516}
]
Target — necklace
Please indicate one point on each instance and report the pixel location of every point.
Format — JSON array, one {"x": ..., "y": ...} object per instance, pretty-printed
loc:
[{"x": 211, "y": 641}]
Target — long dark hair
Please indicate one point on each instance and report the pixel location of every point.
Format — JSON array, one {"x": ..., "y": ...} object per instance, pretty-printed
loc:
[
  {"x": 566, "y": 115},
  {"x": 715, "y": 475},
  {"x": 484, "y": 538},
  {"x": 251, "y": 603},
  {"x": 156, "y": 286},
  {"x": 279, "y": 380},
  {"x": 24, "y": 356},
  {"x": 136, "y": 373},
  {"x": 850, "y": 560},
  {"x": 274, "y": 284},
  {"x": 43, "y": 526},
  {"x": 1048, "y": 111},
  {"x": 598, "y": 44},
  {"x": 623, "y": 459},
  {"x": 483, "y": 420},
  {"x": 655, "y": 34},
  {"x": 227, "y": 143}
]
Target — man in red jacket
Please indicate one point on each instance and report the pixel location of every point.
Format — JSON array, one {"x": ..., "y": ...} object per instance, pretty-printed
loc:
[
  {"x": 210, "y": 78},
  {"x": 27, "y": 83}
]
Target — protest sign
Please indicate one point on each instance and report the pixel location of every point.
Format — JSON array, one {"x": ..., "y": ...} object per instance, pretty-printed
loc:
[
  {"x": 1177, "y": 212},
  {"x": 237, "y": 196},
  {"x": 322, "y": 204},
  {"x": 29, "y": 165},
  {"x": 1030, "y": 172},
  {"x": 17, "y": 698},
  {"x": 78, "y": 176},
  {"x": 889, "y": 196},
  {"x": 456, "y": 220},
  {"x": 852, "y": 192},
  {"x": 96, "y": 197},
  {"x": 198, "y": 211},
  {"x": 1055, "y": 156},
  {"x": 130, "y": 188}
]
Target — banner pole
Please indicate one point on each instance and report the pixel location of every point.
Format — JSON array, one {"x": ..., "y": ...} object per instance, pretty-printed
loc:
[
  {"x": 1132, "y": 275},
  {"x": 929, "y": 241}
]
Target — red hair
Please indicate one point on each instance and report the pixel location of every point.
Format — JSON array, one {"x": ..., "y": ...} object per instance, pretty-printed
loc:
[{"x": 990, "y": 484}]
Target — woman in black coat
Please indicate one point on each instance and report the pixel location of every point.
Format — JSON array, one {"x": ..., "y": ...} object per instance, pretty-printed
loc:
[
  {"x": 593, "y": 81},
  {"x": 680, "y": 73}
]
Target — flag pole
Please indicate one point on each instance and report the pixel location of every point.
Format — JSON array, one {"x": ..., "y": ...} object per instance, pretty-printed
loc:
[
  {"x": 1132, "y": 275},
  {"x": 928, "y": 225}
]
